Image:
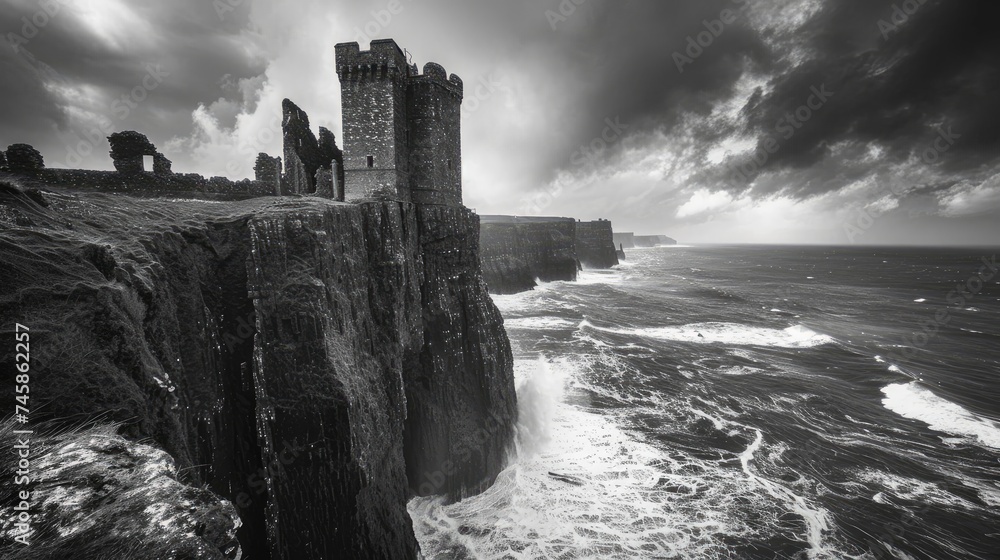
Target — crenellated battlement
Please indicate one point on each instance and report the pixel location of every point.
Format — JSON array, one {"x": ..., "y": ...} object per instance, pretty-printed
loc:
[
  {"x": 383, "y": 60},
  {"x": 435, "y": 74}
]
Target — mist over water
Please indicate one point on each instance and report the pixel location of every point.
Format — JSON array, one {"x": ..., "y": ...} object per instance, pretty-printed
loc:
[{"x": 746, "y": 403}]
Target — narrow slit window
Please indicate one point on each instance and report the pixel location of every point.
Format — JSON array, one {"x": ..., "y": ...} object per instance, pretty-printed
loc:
[
  {"x": 371, "y": 162},
  {"x": 451, "y": 166}
]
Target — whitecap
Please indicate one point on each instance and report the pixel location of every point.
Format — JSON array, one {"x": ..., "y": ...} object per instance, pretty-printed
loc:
[
  {"x": 539, "y": 323},
  {"x": 596, "y": 277},
  {"x": 921, "y": 300},
  {"x": 518, "y": 303},
  {"x": 913, "y": 401},
  {"x": 796, "y": 336}
]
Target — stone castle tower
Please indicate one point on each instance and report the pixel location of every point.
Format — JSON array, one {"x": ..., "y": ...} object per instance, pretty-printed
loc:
[{"x": 402, "y": 129}]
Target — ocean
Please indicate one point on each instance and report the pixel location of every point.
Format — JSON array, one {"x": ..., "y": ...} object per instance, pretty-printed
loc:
[{"x": 748, "y": 402}]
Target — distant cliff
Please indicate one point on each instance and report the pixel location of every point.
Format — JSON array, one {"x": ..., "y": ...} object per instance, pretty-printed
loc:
[
  {"x": 625, "y": 239},
  {"x": 653, "y": 240},
  {"x": 595, "y": 247},
  {"x": 312, "y": 362},
  {"x": 515, "y": 252}
]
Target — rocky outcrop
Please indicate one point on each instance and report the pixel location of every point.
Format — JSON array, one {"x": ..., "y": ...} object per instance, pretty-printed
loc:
[
  {"x": 313, "y": 363},
  {"x": 595, "y": 246},
  {"x": 517, "y": 251},
  {"x": 94, "y": 494}
]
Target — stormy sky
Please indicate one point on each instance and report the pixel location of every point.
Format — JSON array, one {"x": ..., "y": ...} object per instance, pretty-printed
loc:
[{"x": 775, "y": 121}]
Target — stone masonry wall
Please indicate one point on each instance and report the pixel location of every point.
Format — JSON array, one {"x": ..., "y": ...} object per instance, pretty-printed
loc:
[
  {"x": 373, "y": 85},
  {"x": 435, "y": 115}
]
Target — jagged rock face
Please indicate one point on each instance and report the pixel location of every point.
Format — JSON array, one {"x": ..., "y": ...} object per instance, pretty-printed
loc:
[
  {"x": 595, "y": 246},
  {"x": 151, "y": 327},
  {"x": 460, "y": 396},
  {"x": 338, "y": 303},
  {"x": 97, "y": 495},
  {"x": 516, "y": 254},
  {"x": 273, "y": 347},
  {"x": 3, "y": 161}
]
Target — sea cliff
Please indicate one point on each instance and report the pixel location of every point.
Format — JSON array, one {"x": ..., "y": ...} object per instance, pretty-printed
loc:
[
  {"x": 595, "y": 246},
  {"x": 313, "y": 363},
  {"x": 517, "y": 252}
]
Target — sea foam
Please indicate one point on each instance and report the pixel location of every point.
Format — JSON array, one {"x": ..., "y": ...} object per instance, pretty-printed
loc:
[
  {"x": 796, "y": 336},
  {"x": 915, "y": 402}
]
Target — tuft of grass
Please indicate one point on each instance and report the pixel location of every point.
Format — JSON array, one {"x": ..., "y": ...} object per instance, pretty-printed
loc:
[{"x": 96, "y": 495}]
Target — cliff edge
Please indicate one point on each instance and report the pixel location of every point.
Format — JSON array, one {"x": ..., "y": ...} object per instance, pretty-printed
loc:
[{"x": 314, "y": 363}]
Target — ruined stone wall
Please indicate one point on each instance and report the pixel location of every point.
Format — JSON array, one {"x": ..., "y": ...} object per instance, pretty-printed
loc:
[
  {"x": 374, "y": 89},
  {"x": 435, "y": 111},
  {"x": 267, "y": 171},
  {"x": 22, "y": 158},
  {"x": 186, "y": 185},
  {"x": 331, "y": 156},
  {"x": 302, "y": 156},
  {"x": 129, "y": 148}
]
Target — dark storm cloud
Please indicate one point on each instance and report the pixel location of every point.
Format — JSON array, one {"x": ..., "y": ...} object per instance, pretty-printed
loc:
[
  {"x": 900, "y": 79},
  {"x": 631, "y": 62},
  {"x": 75, "y": 66},
  {"x": 635, "y": 58}
]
